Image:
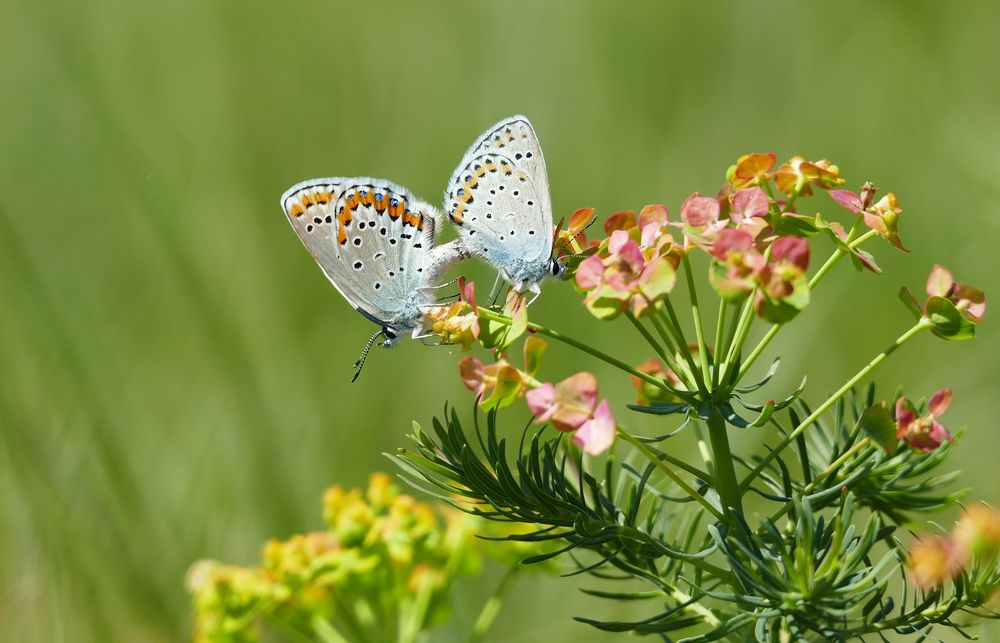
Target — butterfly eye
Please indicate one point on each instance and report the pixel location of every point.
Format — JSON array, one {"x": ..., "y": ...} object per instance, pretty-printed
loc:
[{"x": 556, "y": 268}]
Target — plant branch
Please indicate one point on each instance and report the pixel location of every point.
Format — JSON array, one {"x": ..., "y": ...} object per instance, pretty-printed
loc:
[{"x": 922, "y": 324}]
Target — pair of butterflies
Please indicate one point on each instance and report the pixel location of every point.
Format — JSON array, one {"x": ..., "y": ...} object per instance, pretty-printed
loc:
[{"x": 374, "y": 239}]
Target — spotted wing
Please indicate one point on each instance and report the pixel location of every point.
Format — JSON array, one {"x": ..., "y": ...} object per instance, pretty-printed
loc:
[
  {"x": 372, "y": 239},
  {"x": 499, "y": 199}
]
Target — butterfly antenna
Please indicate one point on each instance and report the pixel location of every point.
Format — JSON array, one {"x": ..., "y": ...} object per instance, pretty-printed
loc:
[
  {"x": 565, "y": 247},
  {"x": 360, "y": 364}
]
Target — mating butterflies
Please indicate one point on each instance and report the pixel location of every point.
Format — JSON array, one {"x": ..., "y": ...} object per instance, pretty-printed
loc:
[{"x": 375, "y": 241}]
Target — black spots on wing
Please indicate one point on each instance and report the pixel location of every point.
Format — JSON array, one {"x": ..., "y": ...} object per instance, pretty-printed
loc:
[
  {"x": 493, "y": 191},
  {"x": 489, "y": 202},
  {"x": 531, "y": 232},
  {"x": 392, "y": 273},
  {"x": 531, "y": 203},
  {"x": 392, "y": 241},
  {"x": 309, "y": 228},
  {"x": 317, "y": 220},
  {"x": 406, "y": 235},
  {"x": 501, "y": 187},
  {"x": 420, "y": 269},
  {"x": 515, "y": 193},
  {"x": 489, "y": 215},
  {"x": 382, "y": 231},
  {"x": 472, "y": 232},
  {"x": 329, "y": 219},
  {"x": 357, "y": 241},
  {"x": 358, "y": 265},
  {"x": 361, "y": 225},
  {"x": 528, "y": 155},
  {"x": 378, "y": 285},
  {"x": 517, "y": 157},
  {"x": 418, "y": 245}
]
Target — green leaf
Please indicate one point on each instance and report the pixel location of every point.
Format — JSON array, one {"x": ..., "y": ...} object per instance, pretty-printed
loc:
[
  {"x": 508, "y": 387},
  {"x": 780, "y": 311},
  {"x": 728, "y": 288},
  {"x": 947, "y": 322},
  {"x": 911, "y": 303},
  {"x": 533, "y": 349},
  {"x": 877, "y": 423},
  {"x": 661, "y": 408}
]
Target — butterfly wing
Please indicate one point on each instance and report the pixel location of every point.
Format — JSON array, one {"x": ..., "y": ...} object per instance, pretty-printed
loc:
[
  {"x": 372, "y": 239},
  {"x": 499, "y": 199}
]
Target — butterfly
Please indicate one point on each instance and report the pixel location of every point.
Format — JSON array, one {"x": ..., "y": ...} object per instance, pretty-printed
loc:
[
  {"x": 498, "y": 198},
  {"x": 374, "y": 241}
]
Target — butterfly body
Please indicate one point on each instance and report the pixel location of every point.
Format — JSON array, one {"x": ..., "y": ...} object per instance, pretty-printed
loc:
[
  {"x": 374, "y": 242},
  {"x": 498, "y": 198}
]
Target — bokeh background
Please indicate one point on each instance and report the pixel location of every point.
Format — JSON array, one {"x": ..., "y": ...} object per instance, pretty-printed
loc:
[{"x": 174, "y": 369}]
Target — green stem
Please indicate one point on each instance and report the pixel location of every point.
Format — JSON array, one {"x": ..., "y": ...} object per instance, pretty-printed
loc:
[
  {"x": 742, "y": 330},
  {"x": 813, "y": 282},
  {"x": 706, "y": 375},
  {"x": 492, "y": 607},
  {"x": 922, "y": 324},
  {"x": 655, "y": 459},
  {"x": 485, "y": 313},
  {"x": 675, "y": 326},
  {"x": 725, "y": 473},
  {"x": 720, "y": 327},
  {"x": 836, "y": 464},
  {"x": 649, "y": 338},
  {"x": 674, "y": 366}
]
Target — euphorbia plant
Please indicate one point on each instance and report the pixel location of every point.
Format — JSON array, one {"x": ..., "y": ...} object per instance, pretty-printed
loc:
[{"x": 806, "y": 539}]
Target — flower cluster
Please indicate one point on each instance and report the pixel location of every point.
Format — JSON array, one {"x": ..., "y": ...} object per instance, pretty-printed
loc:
[
  {"x": 382, "y": 552},
  {"x": 633, "y": 268},
  {"x": 459, "y": 322},
  {"x": 570, "y": 405},
  {"x": 936, "y": 559},
  {"x": 923, "y": 433}
]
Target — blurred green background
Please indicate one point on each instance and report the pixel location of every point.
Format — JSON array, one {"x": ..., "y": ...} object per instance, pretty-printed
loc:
[{"x": 175, "y": 369}]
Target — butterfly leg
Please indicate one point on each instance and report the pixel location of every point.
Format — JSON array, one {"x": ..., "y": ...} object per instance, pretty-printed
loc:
[
  {"x": 495, "y": 290},
  {"x": 536, "y": 290}
]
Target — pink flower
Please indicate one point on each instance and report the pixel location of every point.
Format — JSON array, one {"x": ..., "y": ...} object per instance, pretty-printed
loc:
[
  {"x": 570, "y": 406},
  {"x": 625, "y": 279},
  {"x": 882, "y": 217},
  {"x": 789, "y": 260},
  {"x": 969, "y": 300},
  {"x": 923, "y": 433},
  {"x": 700, "y": 219},
  {"x": 737, "y": 263},
  {"x": 749, "y": 209}
]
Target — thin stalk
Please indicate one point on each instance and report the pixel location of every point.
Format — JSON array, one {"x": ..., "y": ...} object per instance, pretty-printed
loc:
[
  {"x": 720, "y": 327},
  {"x": 836, "y": 464},
  {"x": 725, "y": 473},
  {"x": 649, "y": 338},
  {"x": 742, "y": 330},
  {"x": 659, "y": 464},
  {"x": 813, "y": 282},
  {"x": 674, "y": 366},
  {"x": 706, "y": 375},
  {"x": 675, "y": 327},
  {"x": 486, "y": 313},
  {"x": 922, "y": 324},
  {"x": 492, "y": 607}
]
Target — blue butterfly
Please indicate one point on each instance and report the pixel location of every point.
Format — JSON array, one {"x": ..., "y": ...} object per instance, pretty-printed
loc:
[
  {"x": 499, "y": 200},
  {"x": 375, "y": 242}
]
